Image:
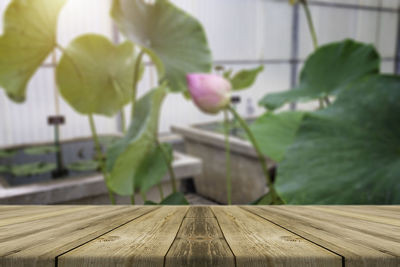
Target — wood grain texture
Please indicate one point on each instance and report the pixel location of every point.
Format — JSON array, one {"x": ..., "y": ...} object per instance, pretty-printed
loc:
[
  {"x": 199, "y": 242},
  {"x": 200, "y": 236},
  {"x": 360, "y": 242},
  {"x": 38, "y": 240},
  {"x": 142, "y": 242},
  {"x": 257, "y": 242}
]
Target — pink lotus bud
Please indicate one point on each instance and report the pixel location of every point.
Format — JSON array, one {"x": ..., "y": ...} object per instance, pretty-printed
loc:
[{"x": 210, "y": 92}]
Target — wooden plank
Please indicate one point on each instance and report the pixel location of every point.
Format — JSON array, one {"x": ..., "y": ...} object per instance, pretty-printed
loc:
[
  {"x": 356, "y": 243},
  {"x": 258, "y": 242},
  {"x": 20, "y": 216},
  {"x": 39, "y": 242},
  {"x": 199, "y": 242},
  {"x": 372, "y": 214},
  {"x": 15, "y": 211},
  {"x": 142, "y": 242},
  {"x": 199, "y": 212}
]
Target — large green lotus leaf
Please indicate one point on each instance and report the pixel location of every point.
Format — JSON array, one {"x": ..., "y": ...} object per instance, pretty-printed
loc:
[
  {"x": 348, "y": 153},
  {"x": 29, "y": 37},
  {"x": 174, "y": 36},
  {"x": 276, "y": 132},
  {"x": 35, "y": 168},
  {"x": 328, "y": 70},
  {"x": 154, "y": 167},
  {"x": 40, "y": 150},
  {"x": 125, "y": 157},
  {"x": 95, "y": 76}
]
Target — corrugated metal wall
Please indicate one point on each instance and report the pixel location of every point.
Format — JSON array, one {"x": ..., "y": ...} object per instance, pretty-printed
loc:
[{"x": 242, "y": 34}]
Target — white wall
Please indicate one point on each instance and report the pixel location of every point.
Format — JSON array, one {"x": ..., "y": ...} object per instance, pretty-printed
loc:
[{"x": 240, "y": 32}]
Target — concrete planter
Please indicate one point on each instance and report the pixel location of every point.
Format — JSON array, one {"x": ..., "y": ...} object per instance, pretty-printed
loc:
[
  {"x": 90, "y": 189},
  {"x": 248, "y": 181}
]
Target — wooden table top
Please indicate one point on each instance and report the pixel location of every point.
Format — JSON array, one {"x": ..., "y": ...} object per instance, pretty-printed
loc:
[{"x": 200, "y": 236}]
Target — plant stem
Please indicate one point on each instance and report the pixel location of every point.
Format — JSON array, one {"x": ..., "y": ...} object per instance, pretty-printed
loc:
[
  {"x": 169, "y": 165},
  {"x": 133, "y": 198},
  {"x": 274, "y": 195},
  {"x": 310, "y": 23},
  {"x": 253, "y": 141},
  {"x": 123, "y": 123},
  {"x": 136, "y": 74},
  {"x": 160, "y": 189},
  {"x": 228, "y": 159},
  {"x": 100, "y": 156}
]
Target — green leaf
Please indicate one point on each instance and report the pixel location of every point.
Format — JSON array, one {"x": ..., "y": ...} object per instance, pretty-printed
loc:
[
  {"x": 267, "y": 199},
  {"x": 175, "y": 37},
  {"x": 35, "y": 168},
  {"x": 276, "y": 132},
  {"x": 327, "y": 71},
  {"x": 4, "y": 169},
  {"x": 177, "y": 198},
  {"x": 227, "y": 74},
  {"x": 40, "y": 150},
  {"x": 348, "y": 153},
  {"x": 95, "y": 76},
  {"x": 126, "y": 156},
  {"x": 84, "y": 165},
  {"x": 7, "y": 153},
  {"x": 154, "y": 167},
  {"x": 29, "y": 37},
  {"x": 245, "y": 78}
]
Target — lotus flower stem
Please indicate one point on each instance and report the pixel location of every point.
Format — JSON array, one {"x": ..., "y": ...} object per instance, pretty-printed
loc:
[
  {"x": 100, "y": 156},
  {"x": 136, "y": 75},
  {"x": 310, "y": 23},
  {"x": 253, "y": 141},
  {"x": 228, "y": 159}
]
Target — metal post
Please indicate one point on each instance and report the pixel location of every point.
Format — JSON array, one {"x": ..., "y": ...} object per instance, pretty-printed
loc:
[
  {"x": 294, "y": 50},
  {"x": 397, "y": 53}
]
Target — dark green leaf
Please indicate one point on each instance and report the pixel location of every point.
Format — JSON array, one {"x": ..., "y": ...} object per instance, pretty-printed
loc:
[
  {"x": 40, "y": 150},
  {"x": 348, "y": 153},
  {"x": 177, "y": 198},
  {"x": 327, "y": 71},
  {"x": 7, "y": 153},
  {"x": 29, "y": 37},
  {"x": 95, "y": 76},
  {"x": 84, "y": 165},
  {"x": 267, "y": 199},
  {"x": 35, "y": 168},
  {"x": 276, "y": 132},
  {"x": 4, "y": 169},
  {"x": 126, "y": 156},
  {"x": 170, "y": 34},
  {"x": 245, "y": 78},
  {"x": 149, "y": 202}
]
